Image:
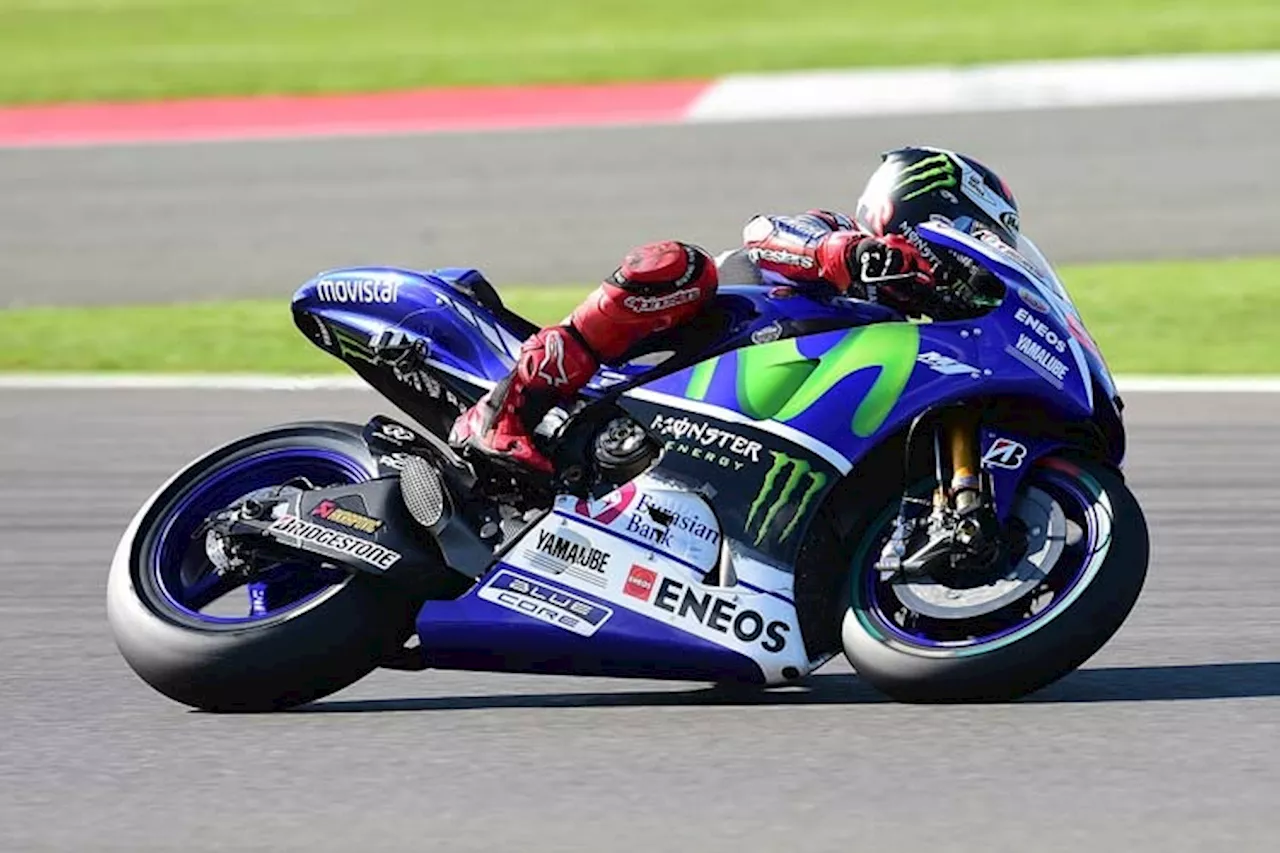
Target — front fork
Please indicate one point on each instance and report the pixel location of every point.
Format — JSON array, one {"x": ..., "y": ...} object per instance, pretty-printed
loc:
[
  {"x": 961, "y": 531},
  {"x": 957, "y": 433}
]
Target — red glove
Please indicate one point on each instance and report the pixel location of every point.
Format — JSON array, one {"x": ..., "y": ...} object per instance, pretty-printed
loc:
[
  {"x": 890, "y": 270},
  {"x": 824, "y": 246}
]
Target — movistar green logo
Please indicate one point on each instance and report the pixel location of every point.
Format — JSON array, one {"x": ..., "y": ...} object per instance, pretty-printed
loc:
[
  {"x": 775, "y": 381},
  {"x": 768, "y": 502},
  {"x": 932, "y": 173}
]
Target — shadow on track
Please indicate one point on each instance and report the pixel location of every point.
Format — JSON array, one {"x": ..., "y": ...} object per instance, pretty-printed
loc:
[
  {"x": 1165, "y": 683},
  {"x": 1110, "y": 684}
]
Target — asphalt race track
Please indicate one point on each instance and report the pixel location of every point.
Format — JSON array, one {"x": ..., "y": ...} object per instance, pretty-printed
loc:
[
  {"x": 214, "y": 221},
  {"x": 1166, "y": 742}
]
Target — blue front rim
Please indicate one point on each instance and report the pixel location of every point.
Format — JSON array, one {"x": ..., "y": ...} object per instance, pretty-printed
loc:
[
  {"x": 881, "y": 611},
  {"x": 182, "y": 574}
]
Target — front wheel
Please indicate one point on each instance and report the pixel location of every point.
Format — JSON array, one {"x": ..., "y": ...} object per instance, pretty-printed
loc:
[
  {"x": 221, "y": 642},
  {"x": 1034, "y": 621}
]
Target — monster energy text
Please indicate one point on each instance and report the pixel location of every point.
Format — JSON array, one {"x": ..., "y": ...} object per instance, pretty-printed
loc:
[
  {"x": 931, "y": 173},
  {"x": 701, "y": 440},
  {"x": 801, "y": 485}
]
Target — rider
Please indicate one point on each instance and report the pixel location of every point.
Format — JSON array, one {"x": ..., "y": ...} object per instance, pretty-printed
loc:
[{"x": 878, "y": 256}]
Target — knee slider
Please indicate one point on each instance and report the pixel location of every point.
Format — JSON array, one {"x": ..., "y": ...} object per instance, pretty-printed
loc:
[{"x": 660, "y": 269}]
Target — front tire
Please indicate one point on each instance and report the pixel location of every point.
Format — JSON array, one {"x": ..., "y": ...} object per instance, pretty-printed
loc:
[
  {"x": 884, "y": 641},
  {"x": 320, "y": 635}
]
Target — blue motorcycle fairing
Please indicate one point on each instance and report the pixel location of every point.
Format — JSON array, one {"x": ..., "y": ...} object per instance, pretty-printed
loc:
[
  {"x": 469, "y": 342},
  {"x": 749, "y": 314},
  {"x": 349, "y": 307},
  {"x": 851, "y": 412},
  {"x": 848, "y": 391},
  {"x": 1027, "y": 269},
  {"x": 1026, "y": 347},
  {"x": 791, "y": 392},
  {"x": 517, "y": 621},
  {"x": 863, "y": 378},
  {"x": 463, "y": 338}
]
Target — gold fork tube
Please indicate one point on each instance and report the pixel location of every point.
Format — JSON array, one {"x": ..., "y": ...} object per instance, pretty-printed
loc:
[{"x": 960, "y": 428}]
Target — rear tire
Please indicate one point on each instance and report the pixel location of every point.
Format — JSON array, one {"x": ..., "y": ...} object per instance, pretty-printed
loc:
[
  {"x": 327, "y": 642},
  {"x": 1052, "y": 644}
]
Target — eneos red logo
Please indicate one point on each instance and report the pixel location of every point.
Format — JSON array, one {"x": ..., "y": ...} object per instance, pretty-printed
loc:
[{"x": 640, "y": 583}]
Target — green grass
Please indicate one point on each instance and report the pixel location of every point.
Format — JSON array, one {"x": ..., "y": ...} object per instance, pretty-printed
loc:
[
  {"x": 1188, "y": 317},
  {"x": 255, "y": 336},
  {"x": 57, "y": 50}
]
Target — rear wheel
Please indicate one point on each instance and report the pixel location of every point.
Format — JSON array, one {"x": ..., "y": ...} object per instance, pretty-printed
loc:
[
  {"x": 1035, "y": 618},
  {"x": 291, "y": 634}
]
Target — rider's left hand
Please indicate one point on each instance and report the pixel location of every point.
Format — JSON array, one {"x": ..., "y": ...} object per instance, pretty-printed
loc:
[{"x": 889, "y": 269}]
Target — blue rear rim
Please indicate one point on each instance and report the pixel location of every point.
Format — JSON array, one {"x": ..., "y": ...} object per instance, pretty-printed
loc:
[
  {"x": 884, "y": 615},
  {"x": 183, "y": 581}
]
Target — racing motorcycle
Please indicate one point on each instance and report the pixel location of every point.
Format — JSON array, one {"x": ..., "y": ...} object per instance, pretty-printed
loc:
[{"x": 796, "y": 475}]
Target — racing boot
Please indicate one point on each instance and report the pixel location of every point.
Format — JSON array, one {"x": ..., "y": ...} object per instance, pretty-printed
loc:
[
  {"x": 658, "y": 286},
  {"x": 553, "y": 365}
]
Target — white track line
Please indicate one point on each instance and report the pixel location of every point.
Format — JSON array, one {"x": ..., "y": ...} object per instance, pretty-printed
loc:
[
  {"x": 176, "y": 382},
  {"x": 253, "y": 382},
  {"x": 981, "y": 88},
  {"x": 1199, "y": 384}
]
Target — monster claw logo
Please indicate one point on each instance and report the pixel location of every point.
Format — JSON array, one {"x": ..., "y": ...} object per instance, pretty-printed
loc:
[
  {"x": 932, "y": 173},
  {"x": 798, "y": 472},
  {"x": 351, "y": 345}
]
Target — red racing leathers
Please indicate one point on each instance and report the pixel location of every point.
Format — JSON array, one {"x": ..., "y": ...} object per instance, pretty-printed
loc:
[
  {"x": 658, "y": 286},
  {"x": 820, "y": 245}
]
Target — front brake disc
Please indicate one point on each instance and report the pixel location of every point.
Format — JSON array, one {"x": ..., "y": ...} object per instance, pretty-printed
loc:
[{"x": 1047, "y": 533}]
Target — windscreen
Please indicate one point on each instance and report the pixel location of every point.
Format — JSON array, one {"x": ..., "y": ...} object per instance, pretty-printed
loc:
[
  {"x": 1037, "y": 261},
  {"x": 1025, "y": 256}
]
